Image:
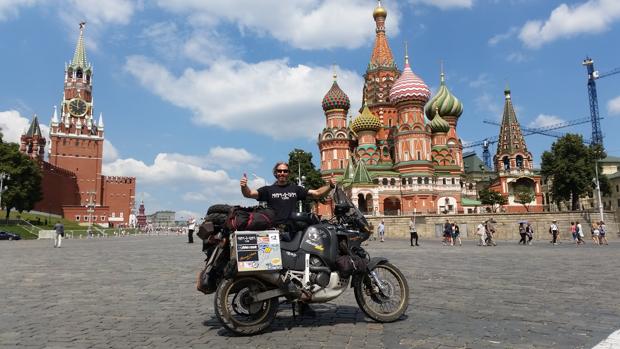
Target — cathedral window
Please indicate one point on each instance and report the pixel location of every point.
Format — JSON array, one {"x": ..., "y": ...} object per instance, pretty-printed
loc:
[
  {"x": 88, "y": 78},
  {"x": 453, "y": 181},
  {"x": 392, "y": 181},
  {"x": 506, "y": 163},
  {"x": 390, "y": 123},
  {"x": 375, "y": 181},
  {"x": 426, "y": 180},
  {"x": 403, "y": 181},
  {"x": 444, "y": 181},
  {"x": 471, "y": 186},
  {"x": 77, "y": 217},
  {"x": 419, "y": 180},
  {"x": 519, "y": 161},
  {"x": 79, "y": 73},
  {"x": 385, "y": 181}
]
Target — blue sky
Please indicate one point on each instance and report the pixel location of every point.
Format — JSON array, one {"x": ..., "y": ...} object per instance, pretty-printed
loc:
[{"x": 196, "y": 93}]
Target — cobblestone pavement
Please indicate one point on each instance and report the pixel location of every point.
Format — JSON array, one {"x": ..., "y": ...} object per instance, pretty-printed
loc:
[{"x": 139, "y": 292}]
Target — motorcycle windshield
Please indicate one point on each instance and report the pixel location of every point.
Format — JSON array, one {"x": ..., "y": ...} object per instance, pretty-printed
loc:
[{"x": 341, "y": 199}]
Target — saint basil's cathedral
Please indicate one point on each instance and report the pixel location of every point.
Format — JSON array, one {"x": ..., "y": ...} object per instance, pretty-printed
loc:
[
  {"x": 73, "y": 185},
  {"x": 402, "y": 153}
]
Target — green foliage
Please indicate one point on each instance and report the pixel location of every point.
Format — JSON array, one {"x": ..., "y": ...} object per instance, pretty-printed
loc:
[
  {"x": 570, "y": 163},
  {"x": 302, "y": 160},
  {"x": 24, "y": 186},
  {"x": 491, "y": 197},
  {"x": 524, "y": 195}
]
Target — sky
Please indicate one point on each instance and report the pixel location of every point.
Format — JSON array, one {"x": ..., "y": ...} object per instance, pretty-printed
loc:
[{"x": 195, "y": 93}]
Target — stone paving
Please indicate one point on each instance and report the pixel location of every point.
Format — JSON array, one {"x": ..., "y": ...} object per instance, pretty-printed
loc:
[{"x": 138, "y": 292}]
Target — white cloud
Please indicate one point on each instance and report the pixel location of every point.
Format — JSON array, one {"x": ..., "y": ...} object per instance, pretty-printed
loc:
[
  {"x": 517, "y": 57},
  {"x": 480, "y": 81},
  {"x": 110, "y": 153},
  {"x": 101, "y": 12},
  {"x": 10, "y": 8},
  {"x": 302, "y": 24},
  {"x": 543, "y": 120},
  {"x": 486, "y": 103},
  {"x": 12, "y": 125},
  {"x": 593, "y": 16},
  {"x": 496, "y": 39},
  {"x": 445, "y": 4},
  {"x": 613, "y": 106},
  {"x": 258, "y": 97}
]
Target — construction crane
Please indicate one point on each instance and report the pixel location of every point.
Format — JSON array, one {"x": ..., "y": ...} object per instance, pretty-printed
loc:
[
  {"x": 486, "y": 143},
  {"x": 593, "y": 75},
  {"x": 548, "y": 130}
]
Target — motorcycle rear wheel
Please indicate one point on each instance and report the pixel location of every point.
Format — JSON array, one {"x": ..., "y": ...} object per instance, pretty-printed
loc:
[
  {"x": 387, "y": 305},
  {"x": 235, "y": 311}
]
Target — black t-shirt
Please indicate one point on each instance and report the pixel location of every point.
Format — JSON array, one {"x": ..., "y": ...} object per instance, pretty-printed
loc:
[{"x": 283, "y": 199}]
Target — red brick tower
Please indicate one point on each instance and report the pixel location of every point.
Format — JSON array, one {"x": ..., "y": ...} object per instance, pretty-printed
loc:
[
  {"x": 76, "y": 141},
  {"x": 379, "y": 78},
  {"x": 32, "y": 143},
  {"x": 513, "y": 162},
  {"x": 334, "y": 140},
  {"x": 141, "y": 218}
]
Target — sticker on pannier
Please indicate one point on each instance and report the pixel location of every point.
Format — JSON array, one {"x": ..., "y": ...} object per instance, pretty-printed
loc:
[{"x": 258, "y": 250}]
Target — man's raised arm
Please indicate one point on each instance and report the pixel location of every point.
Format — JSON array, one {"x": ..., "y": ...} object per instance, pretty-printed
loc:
[{"x": 245, "y": 190}]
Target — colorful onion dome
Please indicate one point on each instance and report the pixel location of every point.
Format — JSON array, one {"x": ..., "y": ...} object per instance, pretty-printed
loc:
[
  {"x": 366, "y": 121},
  {"x": 439, "y": 124},
  {"x": 379, "y": 11},
  {"x": 335, "y": 98},
  {"x": 444, "y": 100},
  {"x": 409, "y": 87}
]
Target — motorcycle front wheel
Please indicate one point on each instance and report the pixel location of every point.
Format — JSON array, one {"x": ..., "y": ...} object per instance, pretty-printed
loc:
[
  {"x": 234, "y": 309},
  {"x": 384, "y": 297}
]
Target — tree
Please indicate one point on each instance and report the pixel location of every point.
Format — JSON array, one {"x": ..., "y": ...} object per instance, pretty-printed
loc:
[
  {"x": 570, "y": 163},
  {"x": 24, "y": 186},
  {"x": 301, "y": 161},
  {"x": 524, "y": 196},
  {"x": 493, "y": 198}
]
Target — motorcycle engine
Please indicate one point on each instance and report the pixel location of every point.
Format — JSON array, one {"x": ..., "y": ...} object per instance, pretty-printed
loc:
[{"x": 320, "y": 278}]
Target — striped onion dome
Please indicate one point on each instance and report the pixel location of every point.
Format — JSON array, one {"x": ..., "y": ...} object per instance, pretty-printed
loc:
[
  {"x": 444, "y": 101},
  {"x": 366, "y": 121},
  {"x": 409, "y": 87},
  {"x": 439, "y": 124},
  {"x": 335, "y": 98}
]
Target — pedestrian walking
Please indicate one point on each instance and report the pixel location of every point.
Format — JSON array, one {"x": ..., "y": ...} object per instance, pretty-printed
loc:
[
  {"x": 553, "y": 230},
  {"x": 413, "y": 232},
  {"x": 522, "y": 233},
  {"x": 481, "y": 232},
  {"x": 603, "y": 231},
  {"x": 573, "y": 232},
  {"x": 59, "y": 233},
  {"x": 447, "y": 233},
  {"x": 456, "y": 234},
  {"x": 191, "y": 226},
  {"x": 529, "y": 232},
  {"x": 490, "y": 232},
  {"x": 595, "y": 233},
  {"x": 580, "y": 234},
  {"x": 381, "y": 230}
]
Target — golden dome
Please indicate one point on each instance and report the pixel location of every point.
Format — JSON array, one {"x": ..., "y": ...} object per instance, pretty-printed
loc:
[
  {"x": 366, "y": 121},
  {"x": 379, "y": 11}
]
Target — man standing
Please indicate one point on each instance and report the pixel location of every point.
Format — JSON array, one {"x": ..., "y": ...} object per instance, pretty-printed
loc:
[
  {"x": 381, "y": 230},
  {"x": 282, "y": 197},
  {"x": 553, "y": 229},
  {"x": 191, "y": 226},
  {"x": 413, "y": 232},
  {"x": 59, "y": 233}
]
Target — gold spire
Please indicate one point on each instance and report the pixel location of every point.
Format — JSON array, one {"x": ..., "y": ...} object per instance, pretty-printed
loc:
[{"x": 379, "y": 11}]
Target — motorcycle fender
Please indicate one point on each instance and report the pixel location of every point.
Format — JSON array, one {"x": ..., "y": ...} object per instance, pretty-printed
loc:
[{"x": 374, "y": 261}]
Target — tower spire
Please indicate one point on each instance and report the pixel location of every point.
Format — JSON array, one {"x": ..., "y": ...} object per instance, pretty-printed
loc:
[
  {"x": 406, "y": 54},
  {"x": 442, "y": 75},
  {"x": 79, "y": 57}
]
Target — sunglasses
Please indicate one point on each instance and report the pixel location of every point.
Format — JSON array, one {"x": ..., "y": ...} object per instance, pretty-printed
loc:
[{"x": 282, "y": 171}]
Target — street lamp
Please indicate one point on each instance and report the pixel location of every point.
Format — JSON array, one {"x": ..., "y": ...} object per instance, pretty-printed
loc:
[
  {"x": 598, "y": 190},
  {"x": 3, "y": 176},
  {"x": 90, "y": 208}
]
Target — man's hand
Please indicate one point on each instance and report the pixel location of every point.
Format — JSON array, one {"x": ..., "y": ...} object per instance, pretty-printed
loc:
[
  {"x": 332, "y": 182},
  {"x": 245, "y": 190},
  {"x": 244, "y": 181}
]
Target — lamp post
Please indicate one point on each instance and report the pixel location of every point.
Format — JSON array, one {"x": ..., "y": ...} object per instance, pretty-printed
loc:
[
  {"x": 90, "y": 208},
  {"x": 598, "y": 190},
  {"x": 3, "y": 176}
]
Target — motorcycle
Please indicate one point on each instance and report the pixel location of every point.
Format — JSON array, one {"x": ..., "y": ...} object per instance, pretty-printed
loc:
[{"x": 318, "y": 264}]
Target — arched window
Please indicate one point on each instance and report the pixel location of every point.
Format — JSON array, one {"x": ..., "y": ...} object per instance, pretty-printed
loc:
[
  {"x": 506, "y": 162},
  {"x": 444, "y": 181},
  {"x": 471, "y": 186},
  {"x": 425, "y": 180},
  {"x": 385, "y": 181},
  {"x": 375, "y": 181},
  {"x": 79, "y": 74},
  {"x": 419, "y": 180},
  {"x": 519, "y": 161},
  {"x": 403, "y": 181},
  {"x": 392, "y": 181},
  {"x": 88, "y": 78}
]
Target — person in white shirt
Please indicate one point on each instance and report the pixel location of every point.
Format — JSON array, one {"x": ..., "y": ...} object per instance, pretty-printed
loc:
[
  {"x": 191, "y": 226},
  {"x": 553, "y": 229},
  {"x": 481, "y": 232}
]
